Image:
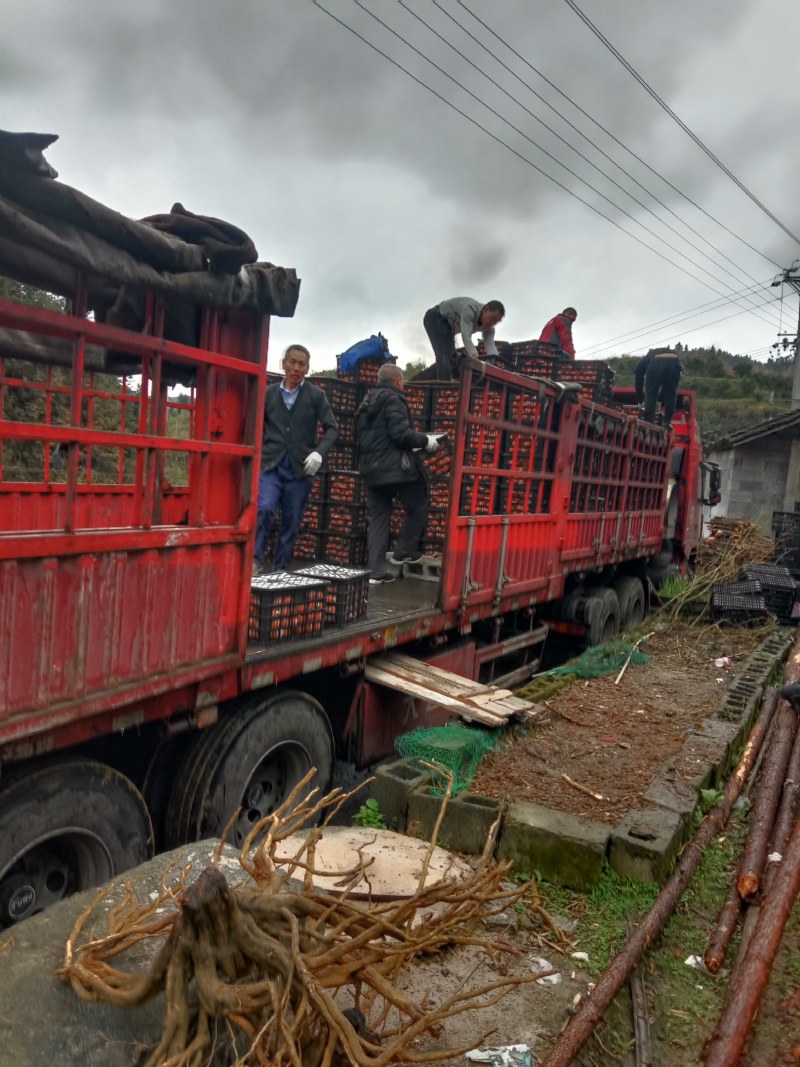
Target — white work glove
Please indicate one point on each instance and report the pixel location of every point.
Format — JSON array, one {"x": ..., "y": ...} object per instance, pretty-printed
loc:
[
  {"x": 312, "y": 464},
  {"x": 432, "y": 443}
]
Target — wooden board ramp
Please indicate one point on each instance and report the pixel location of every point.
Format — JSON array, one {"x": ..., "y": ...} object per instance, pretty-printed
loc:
[{"x": 463, "y": 697}]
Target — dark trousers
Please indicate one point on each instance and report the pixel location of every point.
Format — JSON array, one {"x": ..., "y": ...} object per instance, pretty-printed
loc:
[
  {"x": 280, "y": 490},
  {"x": 414, "y": 498},
  {"x": 443, "y": 343},
  {"x": 661, "y": 379}
]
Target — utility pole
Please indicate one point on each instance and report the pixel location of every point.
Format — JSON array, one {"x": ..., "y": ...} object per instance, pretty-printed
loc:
[{"x": 791, "y": 276}]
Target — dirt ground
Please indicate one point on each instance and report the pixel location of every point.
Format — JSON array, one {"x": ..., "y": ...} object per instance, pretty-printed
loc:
[{"x": 612, "y": 738}]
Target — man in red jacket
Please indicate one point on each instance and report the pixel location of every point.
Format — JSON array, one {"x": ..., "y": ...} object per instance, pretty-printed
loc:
[{"x": 558, "y": 331}]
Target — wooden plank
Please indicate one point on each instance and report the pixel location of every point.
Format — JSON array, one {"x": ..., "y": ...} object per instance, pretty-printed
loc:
[
  {"x": 406, "y": 685},
  {"x": 431, "y": 670}
]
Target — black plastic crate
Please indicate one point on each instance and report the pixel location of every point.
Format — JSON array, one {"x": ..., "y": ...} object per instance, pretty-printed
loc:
[
  {"x": 344, "y": 548},
  {"x": 442, "y": 400},
  {"x": 418, "y": 399},
  {"x": 346, "y": 487},
  {"x": 342, "y": 396},
  {"x": 341, "y": 458},
  {"x": 307, "y": 545},
  {"x": 347, "y": 429},
  {"x": 349, "y": 519},
  {"x": 738, "y": 609},
  {"x": 439, "y": 464},
  {"x": 747, "y": 587},
  {"x": 365, "y": 371},
  {"x": 285, "y": 605},
  {"x": 346, "y": 600}
]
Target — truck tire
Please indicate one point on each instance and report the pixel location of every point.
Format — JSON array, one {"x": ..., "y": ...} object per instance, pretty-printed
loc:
[
  {"x": 630, "y": 594},
  {"x": 250, "y": 762},
  {"x": 601, "y": 615},
  {"x": 64, "y": 827}
]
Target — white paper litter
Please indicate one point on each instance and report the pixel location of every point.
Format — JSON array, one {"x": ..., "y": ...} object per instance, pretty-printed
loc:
[
  {"x": 697, "y": 962},
  {"x": 580, "y": 956},
  {"x": 502, "y": 1056},
  {"x": 774, "y": 857}
]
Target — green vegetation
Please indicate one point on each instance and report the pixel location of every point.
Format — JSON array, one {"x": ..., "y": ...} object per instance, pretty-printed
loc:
[{"x": 370, "y": 814}]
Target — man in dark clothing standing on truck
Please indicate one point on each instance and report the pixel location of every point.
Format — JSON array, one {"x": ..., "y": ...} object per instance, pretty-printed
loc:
[
  {"x": 290, "y": 454},
  {"x": 464, "y": 316},
  {"x": 558, "y": 331},
  {"x": 389, "y": 464},
  {"x": 658, "y": 373}
]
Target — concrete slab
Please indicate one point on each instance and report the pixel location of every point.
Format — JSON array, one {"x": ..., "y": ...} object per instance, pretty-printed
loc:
[
  {"x": 565, "y": 849},
  {"x": 645, "y": 844},
  {"x": 42, "y": 1021}
]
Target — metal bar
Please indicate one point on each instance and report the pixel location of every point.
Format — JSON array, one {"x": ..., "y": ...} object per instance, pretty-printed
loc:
[
  {"x": 592, "y": 1009},
  {"x": 730, "y": 1038}
]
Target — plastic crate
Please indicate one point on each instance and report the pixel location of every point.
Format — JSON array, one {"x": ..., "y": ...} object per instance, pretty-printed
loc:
[
  {"x": 346, "y": 600},
  {"x": 285, "y": 605},
  {"x": 738, "y": 609},
  {"x": 346, "y": 487},
  {"x": 350, "y": 519},
  {"x": 741, "y": 588},
  {"x": 442, "y": 400},
  {"x": 418, "y": 399},
  {"x": 342, "y": 396},
  {"x": 307, "y": 545},
  {"x": 341, "y": 458},
  {"x": 347, "y": 430},
  {"x": 365, "y": 371},
  {"x": 344, "y": 548},
  {"x": 439, "y": 464}
]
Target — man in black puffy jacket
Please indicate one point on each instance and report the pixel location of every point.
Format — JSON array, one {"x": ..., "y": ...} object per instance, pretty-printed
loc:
[{"x": 391, "y": 467}]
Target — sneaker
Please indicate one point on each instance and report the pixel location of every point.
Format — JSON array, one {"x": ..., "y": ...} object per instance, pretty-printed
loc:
[
  {"x": 381, "y": 579},
  {"x": 404, "y": 557}
]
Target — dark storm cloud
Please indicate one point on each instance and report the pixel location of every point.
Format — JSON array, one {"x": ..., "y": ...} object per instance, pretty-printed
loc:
[{"x": 269, "y": 112}]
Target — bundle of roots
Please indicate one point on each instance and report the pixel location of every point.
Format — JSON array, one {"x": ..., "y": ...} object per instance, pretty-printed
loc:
[{"x": 277, "y": 972}]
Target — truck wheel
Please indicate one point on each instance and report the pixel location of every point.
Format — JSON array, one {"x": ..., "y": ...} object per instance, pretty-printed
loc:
[
  {"x": 65, "y": 827},
  {"x": 630, "y": 594},
  {"x": 249, "y": 761},
  {"x": 601, "y": 614}
]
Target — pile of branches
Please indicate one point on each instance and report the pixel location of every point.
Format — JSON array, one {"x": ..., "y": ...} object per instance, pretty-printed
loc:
[
  {"x": 731, "y": 545},
  {"x": 268, "y": 973}
]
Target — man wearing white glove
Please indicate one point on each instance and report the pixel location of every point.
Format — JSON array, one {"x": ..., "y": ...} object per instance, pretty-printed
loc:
[
  {"x": 389, "y": 464},
  {"x": 290, "y": 454}
]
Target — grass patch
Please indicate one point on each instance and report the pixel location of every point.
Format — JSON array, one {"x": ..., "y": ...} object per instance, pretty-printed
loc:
[{"x": 684, "y": 1003}]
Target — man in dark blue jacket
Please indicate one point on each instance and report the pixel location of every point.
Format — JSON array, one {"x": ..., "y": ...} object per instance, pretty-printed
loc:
[
  {"x": 389, "y": 463},
  {"x": 290, "y": 454}
]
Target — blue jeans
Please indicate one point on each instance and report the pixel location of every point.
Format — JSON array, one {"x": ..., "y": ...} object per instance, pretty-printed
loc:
[{"x": 279, "y": 489}]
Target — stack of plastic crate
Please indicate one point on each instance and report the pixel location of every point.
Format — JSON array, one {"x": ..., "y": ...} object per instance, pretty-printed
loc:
[
  {"x": 786, "y": 531},
  {"x": 738, "y": 603},
  {"x": 779, "y": 588},
  {"x": 596, "y": 377}
]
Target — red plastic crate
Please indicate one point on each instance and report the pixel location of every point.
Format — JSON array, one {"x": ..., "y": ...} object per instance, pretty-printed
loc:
[
  {"x": 365, "y": 371},
  {"x": 346, "y": 487},
  {"x": 341, "y": 548},
  {"x": 349, "y": 519}
]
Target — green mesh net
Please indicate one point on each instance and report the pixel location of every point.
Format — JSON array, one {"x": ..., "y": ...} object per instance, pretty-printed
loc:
[
  {"x": 455, "y": 747},
  {"x": 594, "y": 663}
]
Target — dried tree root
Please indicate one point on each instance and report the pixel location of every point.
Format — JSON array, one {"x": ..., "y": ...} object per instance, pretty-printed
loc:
[{"x": 289, "y": 977}]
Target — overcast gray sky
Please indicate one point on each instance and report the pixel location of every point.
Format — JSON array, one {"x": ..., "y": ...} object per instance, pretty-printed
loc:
[{"x": 386, "y": 200}]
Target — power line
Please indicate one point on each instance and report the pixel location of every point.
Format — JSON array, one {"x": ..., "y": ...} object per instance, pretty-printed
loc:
[
  {"x": 615, "y": 139},
  {"x": 663, "y": 104},
  {"x": 673, "y": 320},
  {"x": 522, "y": 134},
  {"x": 580, "y": 133}
]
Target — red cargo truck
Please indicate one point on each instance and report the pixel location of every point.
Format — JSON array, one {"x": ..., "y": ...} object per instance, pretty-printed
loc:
[{"x": 133, "y": 705}]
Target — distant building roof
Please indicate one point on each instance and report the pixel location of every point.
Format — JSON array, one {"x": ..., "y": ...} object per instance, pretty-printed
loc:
[{"x": 762, "y": 429}]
